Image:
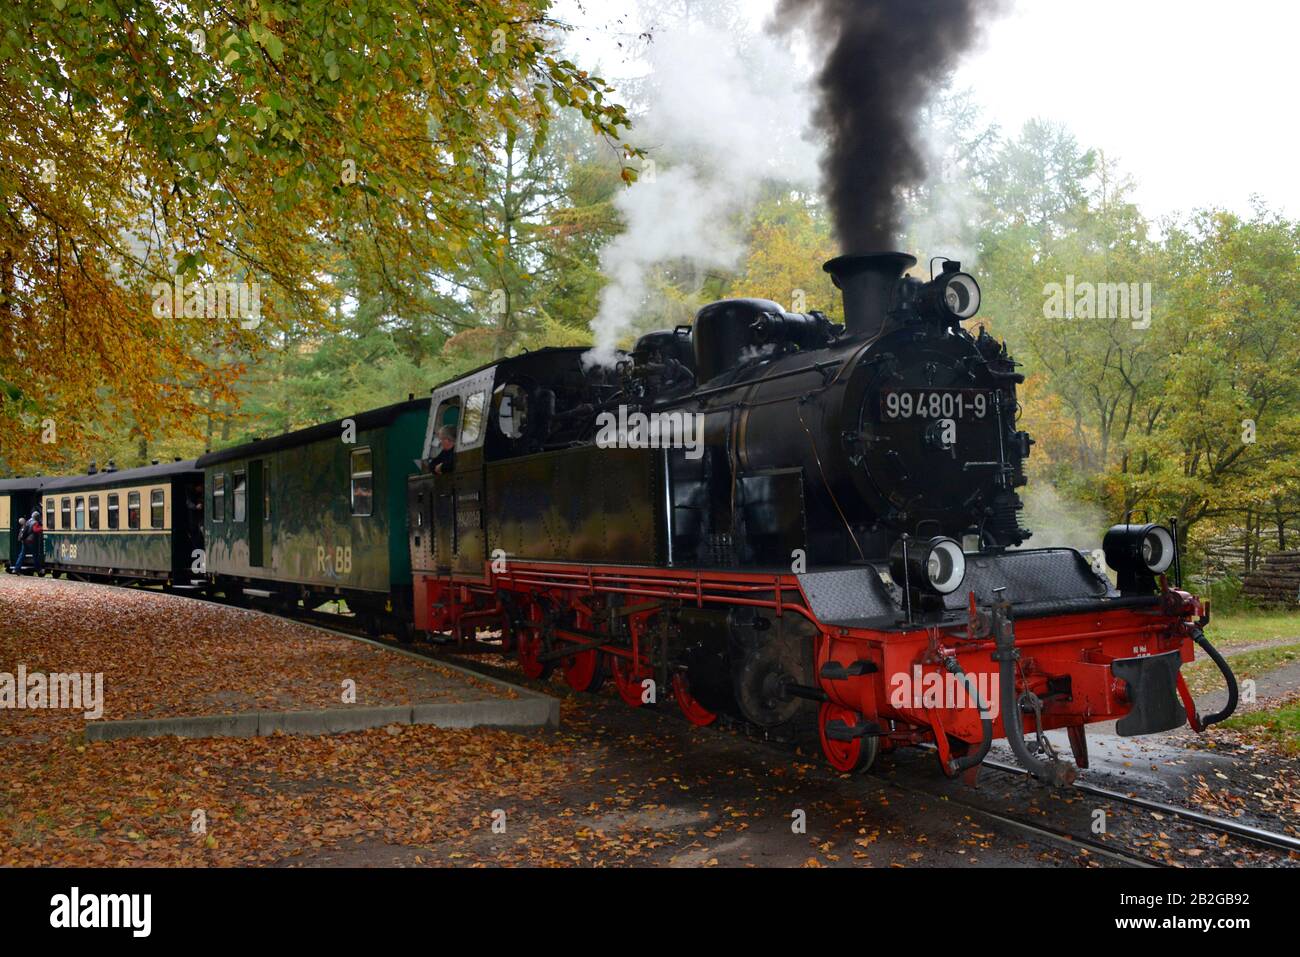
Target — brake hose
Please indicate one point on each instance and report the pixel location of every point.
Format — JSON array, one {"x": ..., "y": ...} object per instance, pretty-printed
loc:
[
  {"x": 958, "y": 765},
  {"x": 1205, "y": 721}
]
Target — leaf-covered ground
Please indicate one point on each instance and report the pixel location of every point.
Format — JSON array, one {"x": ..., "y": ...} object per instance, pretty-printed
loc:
[
  {"x": 164, "y": 655},
  {"x": 652, "y": 792}
]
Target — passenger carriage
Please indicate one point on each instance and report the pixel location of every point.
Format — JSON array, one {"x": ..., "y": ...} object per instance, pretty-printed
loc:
[
  {"x": 140, "y": 524},
  {"x": 318, "y": 515}
]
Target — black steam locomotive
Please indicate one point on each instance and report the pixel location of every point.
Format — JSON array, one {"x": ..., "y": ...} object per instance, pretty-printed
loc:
[{"x": 769, "y": 512}]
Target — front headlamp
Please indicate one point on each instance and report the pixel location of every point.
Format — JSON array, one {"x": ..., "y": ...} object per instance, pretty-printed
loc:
[
  {"x": 961, "y": 294},
  {"x": 936, "y": 565},
  {"x": 1138, "y": 553},
  {"x": 952, "y": 297}
]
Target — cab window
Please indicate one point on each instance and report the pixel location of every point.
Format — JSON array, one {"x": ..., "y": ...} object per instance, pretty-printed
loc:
[
  {"x": 473, "y": 422},
  {"x": 448, "y": 413},
  {"x": 363, "y": 481}
]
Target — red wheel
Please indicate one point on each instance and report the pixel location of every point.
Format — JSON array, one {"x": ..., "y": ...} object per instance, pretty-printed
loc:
[
  {"x": 529, "y": 647},
  {"x": 627, "y": 678},
  {"x": 695, "y": 712},
  {"x": 855, "y": 754},
  {"x": 584, "y": 671}
]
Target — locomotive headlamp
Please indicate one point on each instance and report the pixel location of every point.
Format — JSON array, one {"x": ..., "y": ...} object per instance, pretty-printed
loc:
[
  {"x": 1138, "y": 553},
  {"x": 935, "y": 565},
  {"x": 961, "y": 294},
  {"x": 954, "y": 296}
]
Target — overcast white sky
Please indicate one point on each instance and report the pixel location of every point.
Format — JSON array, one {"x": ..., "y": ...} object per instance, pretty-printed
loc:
[{"x": 1196, "y": 99}]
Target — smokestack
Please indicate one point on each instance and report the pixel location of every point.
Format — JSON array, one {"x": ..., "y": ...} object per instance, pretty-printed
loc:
[
  {"x": 867, "y": 282},
  {"x": 882, "y": 59}
]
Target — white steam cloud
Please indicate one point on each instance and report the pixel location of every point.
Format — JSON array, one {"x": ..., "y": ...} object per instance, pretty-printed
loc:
[
  {"x": 1059, "y": 523},
  {"x": 940, "y": 216},
  {"x": 720, "y": 116}
]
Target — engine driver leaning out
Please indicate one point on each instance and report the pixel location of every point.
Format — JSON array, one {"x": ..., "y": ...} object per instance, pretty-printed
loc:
[{"x": 445, "y": 461}]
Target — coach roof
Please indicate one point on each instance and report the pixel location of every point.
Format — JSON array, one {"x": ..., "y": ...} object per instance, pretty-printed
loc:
[
  {"x": 375, "y": 418},
  {"x": 143, "y": 475}
]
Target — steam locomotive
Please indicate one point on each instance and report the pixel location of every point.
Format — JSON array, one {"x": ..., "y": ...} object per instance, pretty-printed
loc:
[
  {"x": 778, "y": 517},
  {"x": 810, "y": 527}
]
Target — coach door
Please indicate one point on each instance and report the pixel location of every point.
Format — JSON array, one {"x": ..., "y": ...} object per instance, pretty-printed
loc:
[{"x": 258, "y": 502}]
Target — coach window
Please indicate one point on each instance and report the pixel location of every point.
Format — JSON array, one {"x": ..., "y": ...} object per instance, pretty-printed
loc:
[
  {"x": 218, "y": 498},
  {"x": 132, "y": 509},
  {"x": 472, "y": 424},
  {"x": 363, "y": 481},
  {"x": 50, "y": 513},
  {"x": 114, "y": 510},
  {"x": 266, "y": 493},
  {"x": 79, "y": 511},
  {"x": 93, "y": 512},
  {"x": 157, "y": 509},
  {"x": 241, "y": 496},
  {"x": 65, "y": 514}
]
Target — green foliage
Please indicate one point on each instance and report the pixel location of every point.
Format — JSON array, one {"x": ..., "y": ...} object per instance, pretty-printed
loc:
[{"x": 1225, "y": 595}]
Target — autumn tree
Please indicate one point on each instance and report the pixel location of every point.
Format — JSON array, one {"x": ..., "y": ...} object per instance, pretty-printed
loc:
[{"x": 239, "y": 143}]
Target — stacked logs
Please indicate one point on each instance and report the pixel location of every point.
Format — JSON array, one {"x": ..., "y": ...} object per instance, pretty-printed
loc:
[
  {"x": 1276, "y": 581},
  {"x": 1225, "y": 554}
]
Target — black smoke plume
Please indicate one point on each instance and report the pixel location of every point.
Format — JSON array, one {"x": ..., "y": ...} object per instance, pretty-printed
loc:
[{"x": 885, "y": 58}]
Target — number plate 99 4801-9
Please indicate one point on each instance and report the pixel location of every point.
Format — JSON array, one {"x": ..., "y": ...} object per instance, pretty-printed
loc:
[{"x": 935, "y": 403}]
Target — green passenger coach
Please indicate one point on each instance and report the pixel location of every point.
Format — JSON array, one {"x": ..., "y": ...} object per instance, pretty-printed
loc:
[{"x": 318, "y": 515}]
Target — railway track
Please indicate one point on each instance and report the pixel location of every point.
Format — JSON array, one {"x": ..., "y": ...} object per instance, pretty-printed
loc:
[{"x": 1244, "y": 832}]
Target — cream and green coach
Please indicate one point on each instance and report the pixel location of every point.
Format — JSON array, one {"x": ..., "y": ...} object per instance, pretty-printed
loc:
[{"x": 142, "y": 524}]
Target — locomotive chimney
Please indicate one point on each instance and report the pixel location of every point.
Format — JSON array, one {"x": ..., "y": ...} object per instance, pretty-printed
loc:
[{"x": 867, "y": 282}]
